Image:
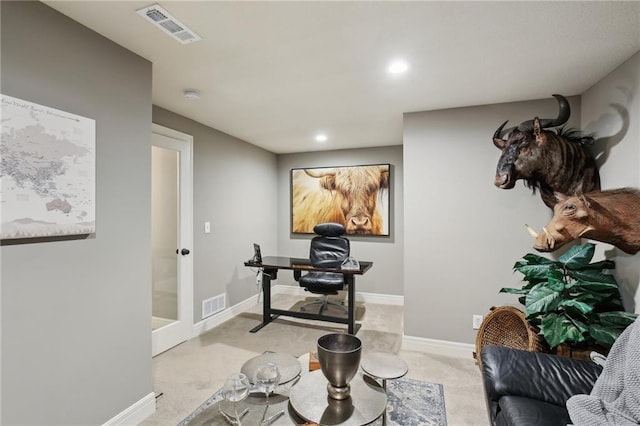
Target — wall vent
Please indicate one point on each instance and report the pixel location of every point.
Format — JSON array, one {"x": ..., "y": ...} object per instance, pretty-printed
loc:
[
  {"x": 162, "y": 19},
  {"x": 213, "y": 305}
]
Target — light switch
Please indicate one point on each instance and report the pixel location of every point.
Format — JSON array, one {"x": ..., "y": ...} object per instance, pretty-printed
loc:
[{"x": 207, "y": 227}]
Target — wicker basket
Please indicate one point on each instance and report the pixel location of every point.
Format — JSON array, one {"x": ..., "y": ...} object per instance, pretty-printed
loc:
[{"x": 507, "y": 326}]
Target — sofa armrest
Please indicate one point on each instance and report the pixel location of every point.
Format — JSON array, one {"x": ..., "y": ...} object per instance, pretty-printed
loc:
[{"x": 544, "y": 377}]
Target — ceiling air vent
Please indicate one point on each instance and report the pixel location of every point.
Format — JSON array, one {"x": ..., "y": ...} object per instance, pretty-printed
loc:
[{"x": 162, "y": 19}]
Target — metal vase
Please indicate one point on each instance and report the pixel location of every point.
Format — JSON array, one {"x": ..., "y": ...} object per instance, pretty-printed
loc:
[{"x": 339, "y": 358}]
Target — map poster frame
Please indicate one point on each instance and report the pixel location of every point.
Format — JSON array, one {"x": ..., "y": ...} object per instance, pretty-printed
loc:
[{"x": 47, "y": 172}]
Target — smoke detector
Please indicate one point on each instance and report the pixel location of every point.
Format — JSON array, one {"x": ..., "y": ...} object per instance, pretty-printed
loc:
[{"x": 162, "y": 19}]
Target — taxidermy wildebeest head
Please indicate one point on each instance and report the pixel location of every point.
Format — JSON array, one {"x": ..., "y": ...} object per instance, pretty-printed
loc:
[{"x": 546, "y": 160}]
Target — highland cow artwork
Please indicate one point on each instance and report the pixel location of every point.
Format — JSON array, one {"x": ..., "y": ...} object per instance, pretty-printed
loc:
[{"x": 354, "y": 196}]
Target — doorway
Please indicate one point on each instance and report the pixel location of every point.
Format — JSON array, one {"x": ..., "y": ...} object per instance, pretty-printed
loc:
[{"x": 171, "y": 238}]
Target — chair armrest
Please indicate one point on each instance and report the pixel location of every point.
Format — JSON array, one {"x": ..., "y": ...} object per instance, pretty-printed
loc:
[{"x": 544, "y": 377}]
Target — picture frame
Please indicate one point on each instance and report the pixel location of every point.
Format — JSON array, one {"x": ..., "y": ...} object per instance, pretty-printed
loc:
[
  {"x": 48, "y": 171},
  {"x": 355, "y": 196}
]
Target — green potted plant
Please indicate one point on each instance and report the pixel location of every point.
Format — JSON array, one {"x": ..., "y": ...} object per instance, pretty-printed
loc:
[{"x": 572, "y": 301}]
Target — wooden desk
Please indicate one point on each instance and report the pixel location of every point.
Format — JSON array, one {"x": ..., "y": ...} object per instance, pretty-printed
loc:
[{"x": 272, "y": 264}]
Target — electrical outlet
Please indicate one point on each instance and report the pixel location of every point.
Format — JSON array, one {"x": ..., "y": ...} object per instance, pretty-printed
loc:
[{"x": 477, "y": 321}]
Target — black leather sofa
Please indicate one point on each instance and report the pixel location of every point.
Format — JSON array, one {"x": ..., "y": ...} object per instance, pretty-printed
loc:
[{"x": 531, "y": 388}]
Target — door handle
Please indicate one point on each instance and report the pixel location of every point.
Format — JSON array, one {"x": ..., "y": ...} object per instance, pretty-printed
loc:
[{"x": 183, "y": 252}]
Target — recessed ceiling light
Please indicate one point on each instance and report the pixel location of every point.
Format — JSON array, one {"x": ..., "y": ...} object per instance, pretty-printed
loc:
[
  {"x": 191, "y": 93},
  {"x": 321, "y": 137},
  {"x": 397, "y": 67}
]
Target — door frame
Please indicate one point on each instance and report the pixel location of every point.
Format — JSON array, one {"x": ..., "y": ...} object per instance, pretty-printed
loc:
[{"x": 179, "y": 331}]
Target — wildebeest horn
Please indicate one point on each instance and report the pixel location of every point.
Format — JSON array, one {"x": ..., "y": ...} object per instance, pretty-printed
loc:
[
  {"x": 563, "y": 115},
  {"x": 497, "y": 136}
]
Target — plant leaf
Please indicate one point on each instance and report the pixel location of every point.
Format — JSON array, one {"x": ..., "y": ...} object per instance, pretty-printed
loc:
[
  {"x": 597, "y": 287},
  {"x": 604, "y": 336},
  {"x": 603, "y": 264},
  {"x": 535, "y": 259},
  {"x": 541, "y": 299},
  {"x": 534, "y": 271},
  {"x": 617, "y": 318},
  {"x": 562, "y": 297},
  {"x": 558, "y": 329},
  {"x": 513, "y": 290},
  {"x": 556, "y": 283},
  {"x": 593, "y": 299},
  {"x": 592, "y": 275},
  {"x": 578, "y": 256},
  {"x": 585, "y": 308}
]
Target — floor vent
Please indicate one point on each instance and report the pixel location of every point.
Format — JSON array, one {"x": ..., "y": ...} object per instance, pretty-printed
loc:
[
  {"x": 213, "y": 305},
  {"x": 162, "y": 19}
]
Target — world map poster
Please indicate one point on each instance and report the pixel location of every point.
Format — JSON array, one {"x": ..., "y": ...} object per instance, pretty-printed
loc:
[{"x": 47, "y": 169}]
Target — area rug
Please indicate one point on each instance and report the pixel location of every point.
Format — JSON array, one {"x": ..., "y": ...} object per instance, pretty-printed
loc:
[{"x": 410, "y": 402}]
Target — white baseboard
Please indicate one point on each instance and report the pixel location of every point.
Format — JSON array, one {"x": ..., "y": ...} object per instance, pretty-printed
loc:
[
  {"x": 380, "y": 299},
  {"x": 136, "y": 413},
  {"x": 439, "y": 347},
  {"x": 411, "y": 343},
  {"x": 217, "y": 319},
  {"x": 375, "y": 298}
]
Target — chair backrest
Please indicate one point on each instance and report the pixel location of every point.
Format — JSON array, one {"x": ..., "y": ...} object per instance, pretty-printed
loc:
[{"x": 329, "y": 249}]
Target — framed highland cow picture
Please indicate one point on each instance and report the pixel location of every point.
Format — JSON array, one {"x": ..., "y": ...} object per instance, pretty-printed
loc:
[{"x": 355, "y": 196}]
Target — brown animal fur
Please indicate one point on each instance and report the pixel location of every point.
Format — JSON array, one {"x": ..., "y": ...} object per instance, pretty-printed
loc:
[
  {"x": 347, "y": 196},
  {"x": 611, "y": 216},
  {"x": 546, "y": 161}
]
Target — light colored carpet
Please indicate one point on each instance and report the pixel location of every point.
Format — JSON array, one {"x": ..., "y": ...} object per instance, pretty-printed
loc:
[{"x": 189, "y": 373}]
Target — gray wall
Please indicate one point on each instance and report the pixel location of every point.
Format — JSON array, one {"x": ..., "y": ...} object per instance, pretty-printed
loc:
[
  {"x": 76, "y": 315},
  {"x": 234, "y": 188},
  {"x": 611, "y": 109},
  {"x": 76, "y": 342},
  {"x": 387, "y": 253},
  {"x": 463, "y": 234}
]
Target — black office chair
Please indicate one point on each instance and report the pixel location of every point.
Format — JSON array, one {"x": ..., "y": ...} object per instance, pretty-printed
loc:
[{"x": 328, "y": 250}]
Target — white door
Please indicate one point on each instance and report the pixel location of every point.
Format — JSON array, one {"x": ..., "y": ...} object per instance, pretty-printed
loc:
[{"x": 171, "y": 238}]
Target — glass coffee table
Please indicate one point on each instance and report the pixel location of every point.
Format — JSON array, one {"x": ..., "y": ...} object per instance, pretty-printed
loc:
[
  {"x": 309, "y": 399},
  {"x": 303, "y": 399},
  {"x": 384, "y": 366}
]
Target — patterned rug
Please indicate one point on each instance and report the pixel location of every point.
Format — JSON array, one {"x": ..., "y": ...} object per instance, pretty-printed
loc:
[
  {"x": 414, "y": 402},
  {"x": 410, "y": 402}
]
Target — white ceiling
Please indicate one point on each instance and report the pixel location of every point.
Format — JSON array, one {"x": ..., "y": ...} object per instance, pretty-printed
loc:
[{"x": 276, "y": 73}]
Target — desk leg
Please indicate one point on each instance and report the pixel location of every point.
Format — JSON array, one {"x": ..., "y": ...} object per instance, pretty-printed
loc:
[
  {"x": 351, "y": 315},
  {"x": 384, "y": 414},
  {"x": 266, "y": 300}
]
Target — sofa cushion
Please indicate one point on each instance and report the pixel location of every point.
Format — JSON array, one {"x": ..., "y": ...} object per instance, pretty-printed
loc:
[{"x": 517, "y": 410}]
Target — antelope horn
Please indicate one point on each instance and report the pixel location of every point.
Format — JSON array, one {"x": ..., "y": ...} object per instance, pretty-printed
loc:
[
  {"x": 564, "y": 112},
  {"x": 551, "y": 242},
  {"x": 533, "y": 233}
]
